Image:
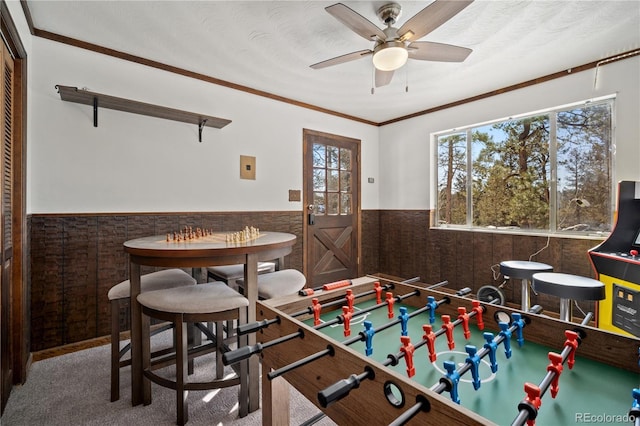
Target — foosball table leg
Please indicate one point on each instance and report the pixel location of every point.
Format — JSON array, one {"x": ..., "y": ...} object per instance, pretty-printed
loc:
[{"x": 275, "y": 399}]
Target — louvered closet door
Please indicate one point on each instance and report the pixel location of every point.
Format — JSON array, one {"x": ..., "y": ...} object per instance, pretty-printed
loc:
[{"x": 6, "y": 93}]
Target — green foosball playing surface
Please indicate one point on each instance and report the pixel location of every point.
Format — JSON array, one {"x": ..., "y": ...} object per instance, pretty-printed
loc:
[{"x": 591, "y": 392}]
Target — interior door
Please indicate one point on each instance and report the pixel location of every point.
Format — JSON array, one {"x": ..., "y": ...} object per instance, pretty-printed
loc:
[{"x": 332, "y": 207}]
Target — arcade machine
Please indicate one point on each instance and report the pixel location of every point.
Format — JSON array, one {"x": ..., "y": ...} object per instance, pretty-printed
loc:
[{"x": 617, "y": 264}]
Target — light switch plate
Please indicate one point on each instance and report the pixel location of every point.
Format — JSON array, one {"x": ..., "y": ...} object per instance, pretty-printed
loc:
[{"x": 247, "y": 167}]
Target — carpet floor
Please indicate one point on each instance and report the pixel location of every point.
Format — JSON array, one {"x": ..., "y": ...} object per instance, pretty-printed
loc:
[{"x": 74, "y": 389}]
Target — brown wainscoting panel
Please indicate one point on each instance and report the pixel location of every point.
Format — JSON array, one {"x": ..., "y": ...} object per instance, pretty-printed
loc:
[
  {"x": 370, "y": 231},
  {"x": 409, "y": 248},
  {"x": 47, "y": 284},
  {"x": 80, "y": 259},
  {"x": 76, "y": 258}
]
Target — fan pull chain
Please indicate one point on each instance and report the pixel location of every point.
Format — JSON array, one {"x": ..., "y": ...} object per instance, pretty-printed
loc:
[
  {"x": 373, "y": 78},
  {"x": 406, "y": 87}
]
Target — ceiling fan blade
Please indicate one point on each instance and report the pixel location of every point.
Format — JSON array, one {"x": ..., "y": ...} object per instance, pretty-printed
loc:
[
  {"x": 383, "y": 77},
  {"x": 356, "y": 22},
  {"x": 342, "y": 59},
  {"x": 430, "y": 18},
  {"x": 440, "y": 52}
]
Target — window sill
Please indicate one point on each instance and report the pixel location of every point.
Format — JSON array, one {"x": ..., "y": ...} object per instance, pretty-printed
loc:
[{"x": 511, "y": 231}]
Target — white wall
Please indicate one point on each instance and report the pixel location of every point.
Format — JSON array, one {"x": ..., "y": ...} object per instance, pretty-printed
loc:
[
  {"x": 134, "y": 163},
  {"x": 406, "y": 175}
]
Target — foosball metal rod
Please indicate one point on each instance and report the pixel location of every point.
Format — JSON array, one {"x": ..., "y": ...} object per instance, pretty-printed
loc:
[
  {"x": 299, "y": 363},
  {"x": 255, "y": 326},
  {"x": 258, "y": 325},
  {"x": 422, "y": 404},
  {"x": 340, "y": 301},
  {"x": 436, "y": 285},
  {"x": 443, "y": 384},
  {"x": 359, "y": 338},
  {"x": 342, "y": 388},
  {"x": 245, "y": 352},
  {"x": 313, "y": 420},
  {"x": 339, "y": 319},
  {"x": 393, "y": 359},
  {"x": 524, "y": 413}
]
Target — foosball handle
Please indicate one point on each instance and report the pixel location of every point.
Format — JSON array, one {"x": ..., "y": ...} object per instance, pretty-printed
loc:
[
  {"x": 252, "y": 327},
  {"x": 240, "y": 354},
  {"x": 340, "y": 389}
]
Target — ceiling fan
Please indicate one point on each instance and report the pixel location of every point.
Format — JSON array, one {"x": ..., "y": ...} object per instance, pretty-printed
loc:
[{"x": 393, "y": 46}]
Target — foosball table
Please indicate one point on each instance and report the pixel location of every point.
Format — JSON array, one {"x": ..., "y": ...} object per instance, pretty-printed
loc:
[{"x": 380, "y": 351}]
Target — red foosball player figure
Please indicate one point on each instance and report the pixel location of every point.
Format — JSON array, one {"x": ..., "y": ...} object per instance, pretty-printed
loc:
[
  {"x": 408, "y": 349},
  {"x": 350, "y": 299},
  {"x": 430, "y": 337},
  {"x": 464, "y": 317},
  {"x": 572, "y": 340},
  {"x": 556, "y": 367},
  {"x": 448, "y": 328},
  {"x": 316, "y": 310},
  {"x": 390, "y": 302},
  {"x": 346, "y": 317},
  {"x": 479, "y": 310},
  {"x": 532, "y": 399},
  {"x": 378, "y": 289}
]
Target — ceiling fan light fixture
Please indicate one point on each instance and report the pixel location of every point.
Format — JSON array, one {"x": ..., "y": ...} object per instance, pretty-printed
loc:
[{"x": 390, "y": 56}]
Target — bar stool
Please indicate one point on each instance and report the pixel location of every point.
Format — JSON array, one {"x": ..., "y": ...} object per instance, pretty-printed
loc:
[
  {"x": 278, "y": 283},
  {"x": 118, "y": 295},
  {"x": 568, "y": 287},
  {"x": 231, "y": 273},
  {"x": 523, "y": 270},
  {"x": 209, "y": 302}
]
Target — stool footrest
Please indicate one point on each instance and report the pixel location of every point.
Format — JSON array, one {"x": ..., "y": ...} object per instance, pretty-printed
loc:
[{"x": 213, "y": 384}]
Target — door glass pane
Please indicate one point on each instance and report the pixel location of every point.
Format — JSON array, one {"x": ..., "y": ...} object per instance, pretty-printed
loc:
[
  {"x": 319, "y": 180},
  {"x": 332, "y": 203},
  {"x": 332, "y": 157},
  {"x": 345, "y": 181},
  {"x": 332, "y": 180},
  {"x": 319, "y": 204},
  {"x": 319, "y": 155},
  {"x": 345, "y": 159},
  {"x": 345, "y": 203}
]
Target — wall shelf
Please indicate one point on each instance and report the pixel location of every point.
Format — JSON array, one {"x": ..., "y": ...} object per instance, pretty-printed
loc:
[{"x": 81, "y": 96}]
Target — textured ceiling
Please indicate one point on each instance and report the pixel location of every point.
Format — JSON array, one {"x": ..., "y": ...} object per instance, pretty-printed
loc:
[{"x": 269, "y": 45}]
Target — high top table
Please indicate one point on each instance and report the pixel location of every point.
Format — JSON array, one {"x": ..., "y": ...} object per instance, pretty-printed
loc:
[{"x": 210, "y": 250}]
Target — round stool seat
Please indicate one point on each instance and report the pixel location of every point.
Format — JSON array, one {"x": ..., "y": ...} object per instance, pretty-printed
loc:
[
  {"x": 198, "y": 299},
  {"x": 568, "y": 286},
  {"x": 523, "y": 269},
  {"x": 160, "y": 280},
  {"x": 236, "y": 272},
  {"x": 278, "y": 283}
]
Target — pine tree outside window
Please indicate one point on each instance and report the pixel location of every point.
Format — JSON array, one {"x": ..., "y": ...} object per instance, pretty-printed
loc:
[{"x": 546, "y": 172}]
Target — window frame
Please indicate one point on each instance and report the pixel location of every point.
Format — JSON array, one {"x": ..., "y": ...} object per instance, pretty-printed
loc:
[{"x": 553, "y": 161}]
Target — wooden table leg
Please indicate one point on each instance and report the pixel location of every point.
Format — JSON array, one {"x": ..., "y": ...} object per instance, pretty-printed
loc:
[
  {"x": 136, "y": 335},
  {"x": 275, "y": 399},
  {"x": 251, "y": 288}
]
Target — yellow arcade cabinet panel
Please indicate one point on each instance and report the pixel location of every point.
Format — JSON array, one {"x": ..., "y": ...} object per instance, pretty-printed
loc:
[{"x": 617, "y": 264}]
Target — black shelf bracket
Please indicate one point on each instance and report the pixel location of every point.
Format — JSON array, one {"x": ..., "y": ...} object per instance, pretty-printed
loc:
[
  {"x": 95, "y": 111},
  {"x": 200, "y": 127}
]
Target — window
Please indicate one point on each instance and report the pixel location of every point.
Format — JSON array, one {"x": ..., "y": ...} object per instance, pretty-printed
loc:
[{"x": 543, "y": 172}]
